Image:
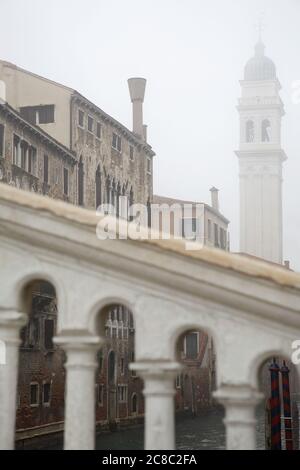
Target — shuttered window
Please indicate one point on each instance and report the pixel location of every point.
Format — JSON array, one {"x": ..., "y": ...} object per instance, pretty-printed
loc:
[
  {"x": 46, "y": 168},
  {"x": 49, "y": 332},
  {"x": 1, "y": 140},
  {"x": 191, "y": 345}
]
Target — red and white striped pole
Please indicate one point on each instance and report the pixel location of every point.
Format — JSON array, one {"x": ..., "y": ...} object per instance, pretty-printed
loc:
[
  {"x": 275, "y": 407},
  {"x": 288, "y": 424}
]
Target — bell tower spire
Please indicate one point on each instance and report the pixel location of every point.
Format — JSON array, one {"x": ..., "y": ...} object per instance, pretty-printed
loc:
[{"x": 260, "y": 159}]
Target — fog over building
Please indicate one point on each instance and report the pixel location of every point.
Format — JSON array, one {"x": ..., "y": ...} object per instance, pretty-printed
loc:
[{"x": 260, "y": 159}]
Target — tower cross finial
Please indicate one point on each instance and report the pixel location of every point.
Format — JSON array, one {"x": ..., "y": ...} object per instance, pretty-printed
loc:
[{"x": 260, "y": 26}]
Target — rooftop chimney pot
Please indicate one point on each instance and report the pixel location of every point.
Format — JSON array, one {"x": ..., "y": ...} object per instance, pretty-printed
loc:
[
  {"x": 214, "y": 198},
  {"x": 2, "y": 91},
  {"x": 137, "y": 93}
]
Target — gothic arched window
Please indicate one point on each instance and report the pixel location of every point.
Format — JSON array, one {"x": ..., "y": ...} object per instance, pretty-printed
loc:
[
  {"x": 80, "y": 182},
  {"x": 113, "y": 193},
  {"x": 108, "y": 190},
  {"x": 118, "y": 199},
  {"x": 98, "y": 187},
  {"x": 249, "y": 131},
  {"x": 134, "y": 403},
  {"x": 111, "y": 367},
  {"x": 266, "y": 130},
  {"x": 130, "y": 204}
]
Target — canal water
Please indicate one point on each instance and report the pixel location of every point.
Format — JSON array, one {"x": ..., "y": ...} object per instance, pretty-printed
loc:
[{"x": 203, "y": 432}]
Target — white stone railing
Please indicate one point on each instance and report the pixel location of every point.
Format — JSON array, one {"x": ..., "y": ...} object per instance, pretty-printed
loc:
[{"x": 251, "y": 309}]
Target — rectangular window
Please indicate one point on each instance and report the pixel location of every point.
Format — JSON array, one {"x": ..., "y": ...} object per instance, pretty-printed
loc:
[
  {"x": 122, "y": 365},
  {"x": 100, "y": 360},
  {"x": 33, "y": 333},
  {"x": 178, "y": 381},
  {"x": 98, "y": 130},
  {"x": 216, "y": 235},
  {"x": 191, "y": 345},
  {"x": 43, "y": 114},
  {"x": 149, "y": 169},
  {"x": 122, "y": 393},
  {"x": 46, "y": 114},
  {"x": 32, "y": 160},
  {"x": 24, "y": 147},
  {"x": 49, "y": 332},
  {"x": 16, "y": 150},
  {"x": 131, "y": 152},
  {"x": 209, "y": 233},
  {"x": 189, "y": 228},
  {"x": 66, "y": 182},
  {"x": 46, "y": 168},
  {"x": 90, "y": 124},
  {"x": 34, "y": 394},
  {"x": 223, "y": 238},
  {"x": 29, "y": 113},
  {"x": 80, "y": 118},
  {"x": 133, "y": 372},
  {"x": 46, "y": 393},
  {"x": 100, "y": 394},
  {"x": 116, "y": 142},
  {"x": 1, "y": 140}
]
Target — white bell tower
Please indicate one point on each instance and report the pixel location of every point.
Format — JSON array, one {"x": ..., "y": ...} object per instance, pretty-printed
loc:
[{"x": 260, "y": 159}]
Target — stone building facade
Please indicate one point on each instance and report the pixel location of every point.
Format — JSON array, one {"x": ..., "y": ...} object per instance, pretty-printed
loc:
[
  {"x": 110, "y": 158},
  {"x": 51, "y": 132},
  {"x": 112, "y": 161},
  {"x": 30, "y": 159}
]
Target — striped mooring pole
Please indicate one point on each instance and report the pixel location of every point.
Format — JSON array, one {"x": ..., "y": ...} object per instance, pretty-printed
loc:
[
  {"x": 288, "y": 424},
  {"x": 275, "y": 407}
]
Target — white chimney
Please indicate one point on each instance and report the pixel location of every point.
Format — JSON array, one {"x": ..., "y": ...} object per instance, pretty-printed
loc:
[
  {"x": 137, "y": 92},
  {"x": 2, "y": 91},
  {"x": 145, "y": 132},
  {"x": 214, "y": 198}
]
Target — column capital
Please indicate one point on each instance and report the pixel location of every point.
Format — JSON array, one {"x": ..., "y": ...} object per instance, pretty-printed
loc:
[
  {"x": 239, "y": 401},
  {"x": 11, "y": 318},
  {"x": 81, "y": 347},
  {"x": 238, "y": 394},
  {"x": 159, "y": 369},
  {"x": 78, "y": 340}
]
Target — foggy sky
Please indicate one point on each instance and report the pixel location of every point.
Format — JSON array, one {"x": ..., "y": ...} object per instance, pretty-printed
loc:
[{"x": 192, "y": 53}]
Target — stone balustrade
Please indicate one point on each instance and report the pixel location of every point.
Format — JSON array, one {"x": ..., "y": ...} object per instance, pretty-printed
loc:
[{"x": 250, "y": 308}]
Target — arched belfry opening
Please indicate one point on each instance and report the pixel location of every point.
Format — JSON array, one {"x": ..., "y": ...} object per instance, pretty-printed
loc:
[
  {"x": 41, "y": 377},
  {"x": 197, "y": 412},
  {"x": 116, "y": 383},
  {"x": 278, "y": 413},
  {"x": 266, "y": 130},
  {"x": 250, "y": 131}
]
